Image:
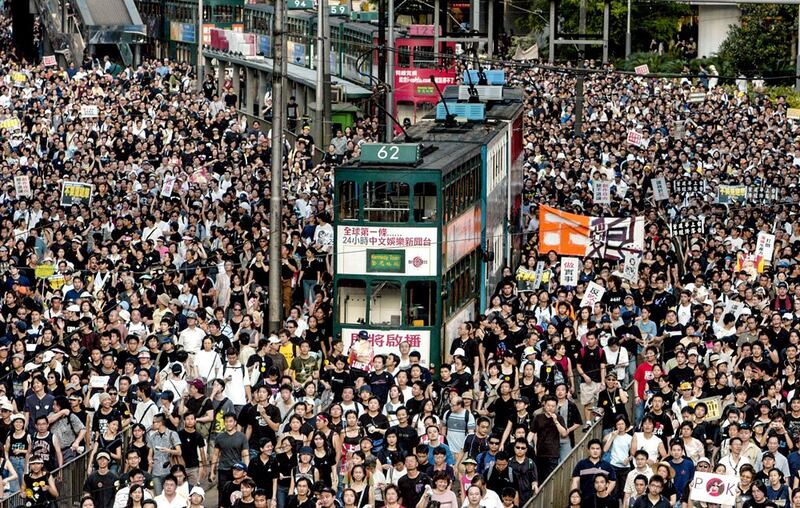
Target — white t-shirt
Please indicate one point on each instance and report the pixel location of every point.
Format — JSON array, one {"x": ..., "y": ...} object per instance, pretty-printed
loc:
[{"x": 236, "y": 379}]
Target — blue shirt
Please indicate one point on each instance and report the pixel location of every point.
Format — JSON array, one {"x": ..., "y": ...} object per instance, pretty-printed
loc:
[
  {"x": 586, "y": 470},
  {"x": 449, "y": 458},
  {"x": 683, "y": 473}
]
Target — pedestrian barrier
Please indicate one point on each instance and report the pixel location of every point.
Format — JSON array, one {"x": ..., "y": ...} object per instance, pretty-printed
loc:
[
  {"x": 554, "y": 490},
  {"x": 69, "y": 480}
]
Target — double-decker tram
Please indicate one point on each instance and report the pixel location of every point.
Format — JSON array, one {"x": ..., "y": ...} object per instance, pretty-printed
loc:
[{"x": 423, "y": 227}]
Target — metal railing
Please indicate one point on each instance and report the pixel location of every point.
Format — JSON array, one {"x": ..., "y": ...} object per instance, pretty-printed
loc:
[
  {"x": 554, "y": 490},
  {"x": 69, "y": 480}
]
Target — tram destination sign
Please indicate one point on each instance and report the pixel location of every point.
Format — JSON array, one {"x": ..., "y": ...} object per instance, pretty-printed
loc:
[
  {"x": 387, "y": 261},
  {"x": 384, "y": 153}
]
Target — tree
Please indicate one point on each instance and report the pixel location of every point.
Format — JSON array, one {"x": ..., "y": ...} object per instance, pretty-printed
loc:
[
  {"x": 763, "y": 43},
  {"x": 659, "y": 21}
]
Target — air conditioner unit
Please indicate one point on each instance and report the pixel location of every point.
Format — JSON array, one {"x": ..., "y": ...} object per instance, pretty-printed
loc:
[{"x": 337, "y": 94}]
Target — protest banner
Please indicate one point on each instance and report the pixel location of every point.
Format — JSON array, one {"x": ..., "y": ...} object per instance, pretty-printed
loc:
[
  {"x": 76, "y": 193},
  {"x": 793, "y": 114},
  {"x": 11, "y": 124},
  {"x": 168, "y": 186},
  {"x": 688, "y": 187},
  {"x": 19, "y": 79},
  {"x": 602, "y": 192},
  {"x": 762, "y": 194},
  {"x": 660, "y": 191},
  {"x": 49, "y": 60},
  {"x": 631, "y": 267},
  {"x": 687, "y": 227},
  {"x": 749, "y": 264},
  {"x": 570, "y": 234},
  {"x": 634, "y": 138},
  {"x": 90, "y": 111},
  {"x": 569, "y": 271},
  {"x": 727, "y": 194},
  {"x": 642, "y": 69},
  {"x": 593, "y": 294},
  {"x": 44, "y": 271},
  {"x": 537, "y": 280},
  {"x": 22, "y": 184},
  {"x": 765, "y": 247},
  {"x": 713, "y": 405},
  {"x": 714, "y": 488}
]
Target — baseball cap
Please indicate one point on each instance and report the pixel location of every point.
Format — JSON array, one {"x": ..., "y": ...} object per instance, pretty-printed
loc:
[
  {"x": 240, "y": 466},
  {"x": 198, "y": 383},
  {"x": 199, "y": 491},
  {"x": 685, "y": 386},
  {"x": 104, "y": 455}
]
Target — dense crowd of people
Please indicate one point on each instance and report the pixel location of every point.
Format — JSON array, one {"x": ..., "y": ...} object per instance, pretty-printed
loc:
[{"x": 132, "y": 319}]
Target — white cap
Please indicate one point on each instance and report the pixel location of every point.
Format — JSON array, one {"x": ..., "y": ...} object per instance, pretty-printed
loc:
[
  {"x": 199, "y": 491},
  {"x": 459, "y": 352}
]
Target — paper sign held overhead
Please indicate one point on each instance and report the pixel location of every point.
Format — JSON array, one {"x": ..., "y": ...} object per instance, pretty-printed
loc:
[
  {"x": 49, "y": 60},
  {"x": 634, "y": 138},
  {"x": 569, "y": 271},
  {"x": 593, "y": 294},
  {"x": 642, "y": 69},
  {"x": 602, "y": 192},
  {"x": 714, "y": 488}
]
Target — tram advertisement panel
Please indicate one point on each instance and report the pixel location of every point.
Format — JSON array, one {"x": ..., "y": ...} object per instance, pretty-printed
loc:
[
  {"x": 374, "y": 250},
  {"x": 388, "y": 341}
]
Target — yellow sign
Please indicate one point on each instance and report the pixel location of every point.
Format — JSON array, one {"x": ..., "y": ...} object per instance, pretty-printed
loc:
[
  {"x": 18, "y": 77},
  {"x": 714, "y": 405},
  {"x": 10, "y": 124},
  {"x": 57, "y": 281},
  {"x": 793, "y": 113},
  {"x": 44, "y": 271}
]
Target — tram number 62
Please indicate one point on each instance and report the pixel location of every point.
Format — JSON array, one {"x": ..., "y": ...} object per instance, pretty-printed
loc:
[{"x": 389, "y": 153}]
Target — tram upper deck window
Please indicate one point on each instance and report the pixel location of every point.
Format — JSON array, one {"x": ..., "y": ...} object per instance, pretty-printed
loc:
[
  {"x": 348, "y": 200},
  {"x": 424, "y": 202},
  {"x": 352, "y": 304},
  {"x": 403, "y": 57},
  {"x": 386, "y": 201},
  {"x": 424, "y": 58},
  {"x": 385, "y": 303}
]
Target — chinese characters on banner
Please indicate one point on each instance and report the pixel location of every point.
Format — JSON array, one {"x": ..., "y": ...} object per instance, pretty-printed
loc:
[
  {"x": 89, "y": 111},
  {"x": 49, "y": 60},
  {"x": 731, "y": 194},
  {"x": 593, "y": 294},
  {"x": 749, "y": 264},
  {"x": 388, "y": 341},
  {"x": 168, "y": 186},
  {"x": 76, "y": 193},
  {"x": 357, "y": 248},
  {"x": 634, "y": 138},
  {"x": 642, "y": 69},
  {"x": 687, "y": 227},
  {"x": 22, "y": 183},
  {"x": 583, "y": 236},
  {"x": 714, "y": 488},
  {"x": 660, "y": 190},
  {"x": 765, "y": 248},
  {"x": 688, "y": 187},
  {"x": 569, "y": 271},
  {"x": 602, "y": 192},
  {"x": 537, "y": 281}
]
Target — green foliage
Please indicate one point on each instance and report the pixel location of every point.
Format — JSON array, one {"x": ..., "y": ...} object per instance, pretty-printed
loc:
[
  {"x": 763, "y": 42},
  {"x": 791, "y": 95},
  {"x": 659, "y": 21}
]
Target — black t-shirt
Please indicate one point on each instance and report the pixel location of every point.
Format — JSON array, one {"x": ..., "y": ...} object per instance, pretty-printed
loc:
[
  {"x": 190, "y": 442},
  {"x": 612, "y": 405},
  {"x": 262, "y": 473},
  {"x": 338, "y": 381},
  {"x": 260, "y": 428},
  {"x": 407, "y": 437},
  {"x": 411, "y": 489},
  {"x": 294, "y": 502},
  {"x": 591, "y": 360},
  {"x": 101, "y": 487},
  {"x": 677, "y": 375},
  {"x": 503, "y": 411}
]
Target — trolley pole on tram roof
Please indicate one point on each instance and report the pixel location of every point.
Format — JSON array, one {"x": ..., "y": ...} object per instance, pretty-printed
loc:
[
  {"x": 276, "y": 184},
  {"x": 382, "y": 77},
  {"x": 199, "y": 36},
  {"x": 389, "y": 79}
]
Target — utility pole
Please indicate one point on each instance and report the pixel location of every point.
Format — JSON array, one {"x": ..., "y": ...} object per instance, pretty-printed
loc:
[
  {"x": 797, "y": 68},
  {"x": 276, "y": 187},
  {"x": 581, "y": 74},
  {"x": 390, "y": 74},
  {"x": 199, "y": 37},
  {"x": 384, "y": 127},
  {"x": 628, "y": 32},
  {"x": 323, "y": 75}
]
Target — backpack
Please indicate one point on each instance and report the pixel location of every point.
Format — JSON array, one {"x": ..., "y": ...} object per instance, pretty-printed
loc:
[
  {"x": 225, "y": 368},
  {"x": 219, "y": 417}
]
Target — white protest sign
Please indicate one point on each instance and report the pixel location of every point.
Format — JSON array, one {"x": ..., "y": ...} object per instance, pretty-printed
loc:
[
  {"x": 537, "y": 281},
  {"x": 569, "y": 271},
  {"x": 765, "y": 246},
  {"x": 642, "y": 69},
  {"x": 89, "y": 111},
  {"x": 634, "y": 138},
  {"x": 714, "y": 488},
  {"x": 22, "y": 183},
  {"x": 98, "y": 381},
  {"x": 593, "y": 294},
  {"x": 660, "y": 190},
  {"x": 169, "y": 185},
  {"x": 602, "y": 192},
  {"x": 631, "y": 268},
  {"x": 49, "y": 60}
]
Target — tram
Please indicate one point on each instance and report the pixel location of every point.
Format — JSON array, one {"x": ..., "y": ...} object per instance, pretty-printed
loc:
[{"x": 424, "y": 227}]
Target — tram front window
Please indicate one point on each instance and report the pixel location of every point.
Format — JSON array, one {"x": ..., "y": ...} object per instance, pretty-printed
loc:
[
  {"x": 385, "y": 303},
  {"x": 421, "y": 303},
  {"x": 352, "y": 304},
  {"x": 348, "y": 200},
  {"x": 386, "y": 201}
]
